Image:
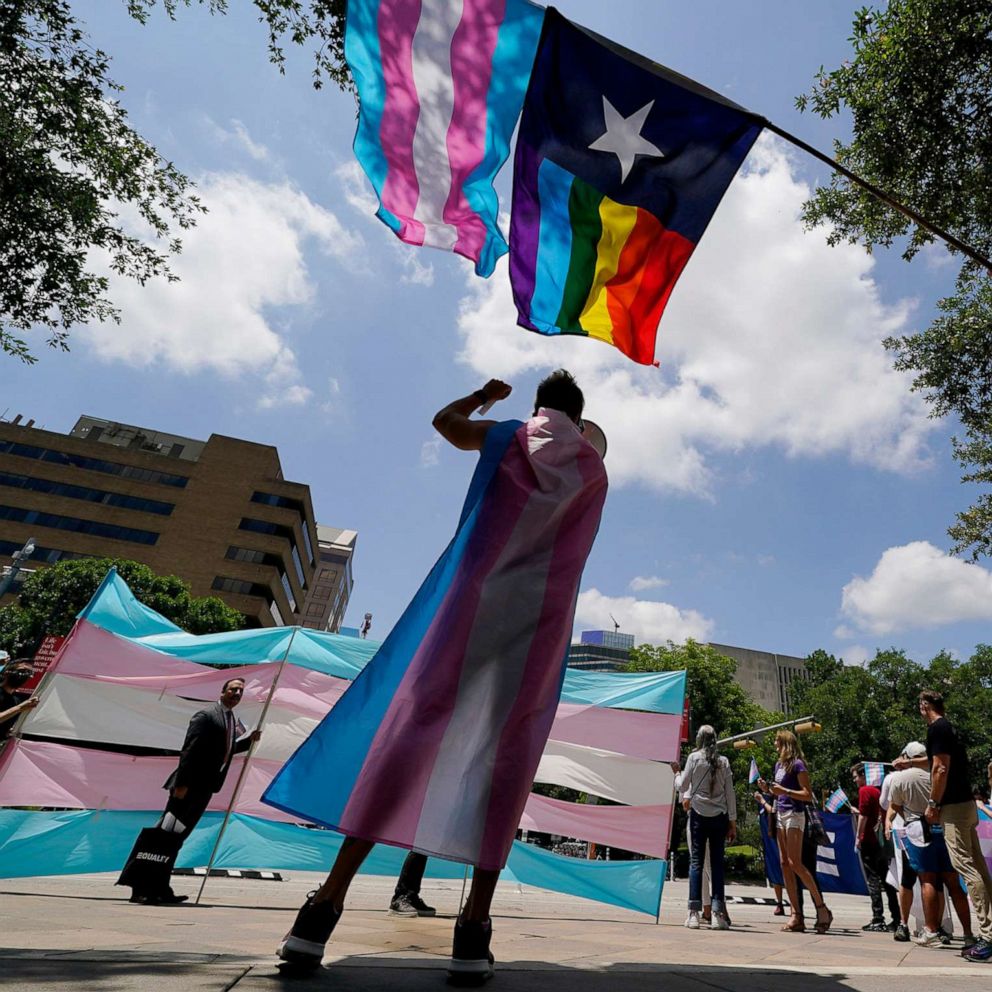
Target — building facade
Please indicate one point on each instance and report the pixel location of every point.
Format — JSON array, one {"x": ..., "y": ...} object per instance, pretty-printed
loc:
[
  {"x": 600, "y": 651},
  {"x": 217, "y": 513},
  {"x": 327, "y": 600},
  {"x": 765, "y": 676}
]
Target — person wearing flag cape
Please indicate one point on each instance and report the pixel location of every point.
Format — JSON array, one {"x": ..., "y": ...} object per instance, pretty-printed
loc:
[{"x": 435, "y": 744}]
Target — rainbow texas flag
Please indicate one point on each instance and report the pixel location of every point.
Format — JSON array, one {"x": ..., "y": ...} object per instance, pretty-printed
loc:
[
  {"x": 619, "y": 166},
  {"x": 440, "y": 86}
]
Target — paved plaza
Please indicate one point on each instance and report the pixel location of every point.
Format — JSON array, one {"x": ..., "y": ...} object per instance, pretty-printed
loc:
[{"x": 79, "y": 933}]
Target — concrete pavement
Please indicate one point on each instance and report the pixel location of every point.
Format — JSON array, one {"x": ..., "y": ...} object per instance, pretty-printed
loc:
[{"x": 79, "y": 933}]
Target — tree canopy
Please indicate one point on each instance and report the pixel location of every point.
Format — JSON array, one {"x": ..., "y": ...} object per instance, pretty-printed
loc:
[
  {"x": 918, "y": 87},
  {"x": 72, "y": 168},
  {"x": 51, "y": 598},
  {"x": 869, "y": 713}
]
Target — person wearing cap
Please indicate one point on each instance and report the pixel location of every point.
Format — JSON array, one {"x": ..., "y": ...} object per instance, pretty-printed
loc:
[
  {"x": 908, "y": 797},
  {"x": 12, "y": 704},
  {"x": 951, "y": 808}
]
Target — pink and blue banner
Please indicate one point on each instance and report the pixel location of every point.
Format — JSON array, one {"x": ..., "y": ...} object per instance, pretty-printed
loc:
[
  {"x": 440, "y": 86},
  {"x": 116, "y": 705}
]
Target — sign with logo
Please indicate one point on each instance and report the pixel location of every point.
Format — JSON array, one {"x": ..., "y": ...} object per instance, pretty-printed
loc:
[{"x": 47, "y": 651}]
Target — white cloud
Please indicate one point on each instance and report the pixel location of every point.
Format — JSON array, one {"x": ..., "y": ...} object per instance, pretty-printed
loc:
[
  {"x": 647, "y": 621},
  {"x": 239, "y": 137},
  {"x": 917, "y": 585},
  {"x": 360, "y": 196},
  {"x": 856, "y": 655},
  {"x": 330, "y": 405},
  {"x": 772, "y": 337},
  {"x": 641, "y": 582},
  {"x": 244, "y": 257},
  {"x": 430, "y": 453}
]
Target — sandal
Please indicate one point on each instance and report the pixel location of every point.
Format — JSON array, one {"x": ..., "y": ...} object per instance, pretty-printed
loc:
[
  {"x": 796, "y": 925},
  {"x": 823, "y": 925}
]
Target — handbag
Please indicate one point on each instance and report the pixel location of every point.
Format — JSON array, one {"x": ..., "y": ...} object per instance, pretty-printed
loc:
[
  {"x": 814, "y": 828},
  {"x": 149, "y": 865}
]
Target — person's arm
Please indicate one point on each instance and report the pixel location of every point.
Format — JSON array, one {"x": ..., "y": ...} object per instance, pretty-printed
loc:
[
  {"x": 246, "y": 742},
  {"x": 18, "y": 708},
  {"x": 894, "y": 810},
  {"x": 804, "y": 794},
  {"x": 938, "y": 782},
  {"x": 453, "y": 424},
  {"x": 198, "y": 725},
  {"x": 900, "y": 764}
]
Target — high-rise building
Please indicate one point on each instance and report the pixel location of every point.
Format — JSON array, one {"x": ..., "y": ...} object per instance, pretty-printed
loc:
[
  {"x": 328, "y": 598},
  {"x": 217, "y": 513},
  {"x": 765, "y": 676},
  {"x": 601, "y": 651}
]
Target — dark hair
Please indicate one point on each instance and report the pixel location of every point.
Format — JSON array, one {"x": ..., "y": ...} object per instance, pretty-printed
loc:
[
  {"x": 559, "y": 392},
  {"x": 933, "y": 699},
  {"x": 237, "y": 678}
]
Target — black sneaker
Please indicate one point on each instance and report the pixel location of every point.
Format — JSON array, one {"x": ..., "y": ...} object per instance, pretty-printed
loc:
[
  {"x": 410, "y": 905},
  {"x": 876, "y": 926},
  {"x": 471, "y": 960},
  {"x": 945, "y": 937},
  {"x": 893, "y": 926},
  {"x": 901, "y": 934},
  {"x": 304, "y": 944}
]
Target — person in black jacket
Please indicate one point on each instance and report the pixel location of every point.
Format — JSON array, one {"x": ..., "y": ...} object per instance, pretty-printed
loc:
[{"x": 213, "y": 737}]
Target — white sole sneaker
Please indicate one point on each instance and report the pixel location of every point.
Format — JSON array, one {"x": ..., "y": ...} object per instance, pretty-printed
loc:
[
  {"x": 470, "y": 973},
  {"x": 296, "y": 951},
  {"x": 692, "y": 921}
]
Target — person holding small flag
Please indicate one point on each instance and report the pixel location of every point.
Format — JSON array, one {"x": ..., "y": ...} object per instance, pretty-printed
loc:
[
  {"x": 872, "y": 849},
  {"x": 793, "y": 792}
]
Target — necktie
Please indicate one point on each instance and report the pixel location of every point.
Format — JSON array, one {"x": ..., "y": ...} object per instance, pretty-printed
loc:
[{"x": 229, "y": 720}]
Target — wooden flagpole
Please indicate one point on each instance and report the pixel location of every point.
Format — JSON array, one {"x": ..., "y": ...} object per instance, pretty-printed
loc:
[
  {"x": 244, "y": 767},
  {"x": 881, "y": 194}
]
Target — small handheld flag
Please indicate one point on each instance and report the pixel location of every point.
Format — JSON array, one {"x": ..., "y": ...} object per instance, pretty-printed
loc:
[
  {"x": 874, "y": 773},
  {"x": 836, "y": 800},
  {"x": 753, "y": 775}
]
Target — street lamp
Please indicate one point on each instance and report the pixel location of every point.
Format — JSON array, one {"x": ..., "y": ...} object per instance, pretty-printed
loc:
[{"x": 19, "y": 557}]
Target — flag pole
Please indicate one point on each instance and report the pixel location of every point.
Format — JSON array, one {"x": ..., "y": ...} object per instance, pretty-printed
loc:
[
  {"x": 881, "y": 194},
  {"x": 244, "y": 767}
]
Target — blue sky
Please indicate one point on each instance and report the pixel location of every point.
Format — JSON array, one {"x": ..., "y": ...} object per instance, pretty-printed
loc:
[{"x": 774, "y": 485}]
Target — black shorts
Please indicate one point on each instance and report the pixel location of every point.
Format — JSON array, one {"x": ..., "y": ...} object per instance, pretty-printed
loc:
[{"x": 909, "y": 875}]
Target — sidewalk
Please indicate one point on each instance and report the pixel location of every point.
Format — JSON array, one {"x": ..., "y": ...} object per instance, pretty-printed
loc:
[{"x": 78, "y": 932}]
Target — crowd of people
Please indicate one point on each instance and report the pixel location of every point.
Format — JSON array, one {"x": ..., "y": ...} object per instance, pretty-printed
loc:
[{"x": 927, "y": 803}]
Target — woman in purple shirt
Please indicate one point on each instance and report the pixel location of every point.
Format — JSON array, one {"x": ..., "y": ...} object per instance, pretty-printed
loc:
[{"x": 792, "y": 792}]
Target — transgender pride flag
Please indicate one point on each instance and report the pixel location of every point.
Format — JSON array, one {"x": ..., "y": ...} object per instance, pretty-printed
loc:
[{"x": 440, "y": 85}]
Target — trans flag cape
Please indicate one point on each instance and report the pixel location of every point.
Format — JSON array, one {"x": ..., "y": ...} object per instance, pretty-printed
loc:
[
  {"x": 440, "y": 86},
  {"x": 620, "y": 164},
  {"x": 435, "y": 745}
]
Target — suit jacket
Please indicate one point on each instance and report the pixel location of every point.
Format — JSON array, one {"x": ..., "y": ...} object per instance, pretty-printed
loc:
[{"x": 201, "y": 765}]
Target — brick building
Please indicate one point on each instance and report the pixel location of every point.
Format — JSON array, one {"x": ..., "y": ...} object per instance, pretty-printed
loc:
[{"x": 218, "y": 513}]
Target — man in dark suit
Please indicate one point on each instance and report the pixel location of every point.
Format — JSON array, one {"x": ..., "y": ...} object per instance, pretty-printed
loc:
[{"x": 213, "y": 737}]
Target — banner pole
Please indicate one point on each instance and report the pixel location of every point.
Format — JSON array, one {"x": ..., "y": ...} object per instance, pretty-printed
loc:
[
  {"x": 244, "y": 767},
  {"x": 886, "y": 198},
  {"x": 764, "y": 730}
]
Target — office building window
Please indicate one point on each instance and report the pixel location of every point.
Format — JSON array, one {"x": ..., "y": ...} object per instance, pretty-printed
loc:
[
  {"x": 288, "y": 503},
  {"x": 92, "y": 464},
  {"x": 276, "y": 615},
  {"x": 78, "y": 525},
  {"x": 288, "y": 590},
  {"x": 277, "y": 530},
  {"x": 223, "y": 583},
  {"x": 41, "y": 556},
  {"x": 83, "y": 492}
]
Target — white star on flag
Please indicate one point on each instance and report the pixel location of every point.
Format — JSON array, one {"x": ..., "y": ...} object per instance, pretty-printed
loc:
[{"x": 623, "y": 137}]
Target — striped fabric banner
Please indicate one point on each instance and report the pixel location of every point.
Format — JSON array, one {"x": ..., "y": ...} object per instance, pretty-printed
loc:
[
  {"x": 440, "y": 85},
  {"x": 117, "y": 692}
]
